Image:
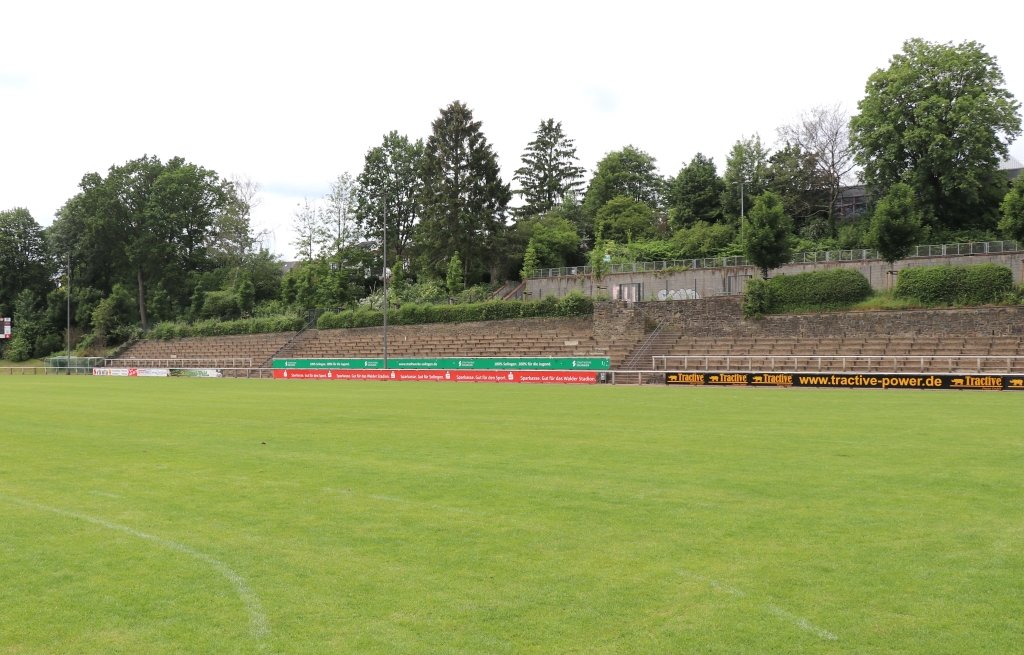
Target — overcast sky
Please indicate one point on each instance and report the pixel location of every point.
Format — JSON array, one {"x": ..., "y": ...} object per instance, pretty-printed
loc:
[{"x": 292, "y": 94}]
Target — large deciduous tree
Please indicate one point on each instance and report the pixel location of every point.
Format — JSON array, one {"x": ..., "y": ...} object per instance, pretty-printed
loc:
[
  {"x": 464, "y": 200},
  {"x": 939, "y": 118},
  {"x": 549, "y": 172},
  {"x": 23, "y": 258},
  {"x": 823, "y": 134},
  {"x": 695, "y": 194},
  {"x": 390, "y": 186},
  {"x": 629, "y": 172},
  {"x": 793, "y": 173},
  {"x": 147, "y": 224}
]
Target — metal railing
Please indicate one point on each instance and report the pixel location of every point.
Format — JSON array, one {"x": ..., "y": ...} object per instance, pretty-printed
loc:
[
  {"x": 181, "y": 362},
  {"x": 844, "y": 363},
  {"x": 817, "y": 257}
]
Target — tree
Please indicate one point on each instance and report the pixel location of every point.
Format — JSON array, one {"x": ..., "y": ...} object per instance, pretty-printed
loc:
[
  {"x": 23, "y": 258},
  {"x": 309, "y": 232},
  {"x": 454, "y": 281},
  {"x": 232, "y": 232},
  {"x": 746, "y": 175},
  {"x": 338, "y": 220},
  {"x": 939, "y": 118},
  {"x": 552, "y": 237},
  {"x": 765, "y": 233},
  {"x": 793, "y": 173},
  {"x": 147, "y": 223},
  {"x": 896, "y": 225},
  {"x": 823, "y": 133},
  {"x": 530, "y": 263},
  {"x": 390, "y": 186},
  {"x": 463, "y": 198},
  {"x": 624, "y": 219},
  {"x": 629, "y": 172},
  {"x": 549, "y": 173},
  {"x": 695, "y": 194},
  {"x": 1012, "y": 210}
]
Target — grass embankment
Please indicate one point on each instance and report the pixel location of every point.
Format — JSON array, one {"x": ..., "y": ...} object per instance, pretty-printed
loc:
[{"x": 245, "y": 516}]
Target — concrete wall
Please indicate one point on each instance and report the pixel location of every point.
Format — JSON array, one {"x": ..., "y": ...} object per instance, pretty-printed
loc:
[
  {"x": 721, "y": 316},
  {"x": 732, "y": 280}
]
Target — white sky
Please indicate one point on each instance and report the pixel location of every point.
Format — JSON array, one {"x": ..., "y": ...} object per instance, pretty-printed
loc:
[{"x": 291, "y": 94}]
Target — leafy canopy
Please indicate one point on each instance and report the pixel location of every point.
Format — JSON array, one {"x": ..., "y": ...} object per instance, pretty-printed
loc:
[
  {"x": 939, "y": 118},
  {"x": 765, "y": 233}
]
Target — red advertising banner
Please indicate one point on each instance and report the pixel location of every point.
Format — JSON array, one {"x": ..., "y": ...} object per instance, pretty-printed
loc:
[
  {"x": 321, "y": 374},
  {"x": 524, "y": 377}
]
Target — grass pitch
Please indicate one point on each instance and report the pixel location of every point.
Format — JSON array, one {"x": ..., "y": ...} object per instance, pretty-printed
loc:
[{"x": 236, "y": 516}]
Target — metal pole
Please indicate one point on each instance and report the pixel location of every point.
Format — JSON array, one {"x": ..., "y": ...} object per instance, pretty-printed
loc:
[
  {"x": 67, "y": 334},
  {"x": 384, "y": 226},
  {"x": 741, "y": 199}
]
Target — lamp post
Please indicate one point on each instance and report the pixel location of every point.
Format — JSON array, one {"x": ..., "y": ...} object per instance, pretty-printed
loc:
[
  {"x": 67, "y": 333},
  {"x": 384, "y": 274}
]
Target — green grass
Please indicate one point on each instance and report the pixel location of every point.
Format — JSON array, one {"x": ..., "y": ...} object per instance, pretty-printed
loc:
[{"x": 238, "y": 516}]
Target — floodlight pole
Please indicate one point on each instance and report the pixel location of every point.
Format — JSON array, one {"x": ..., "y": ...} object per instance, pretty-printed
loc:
[
  {"x": 67, "y": 334},
  {"x": 384, "y": 226}
]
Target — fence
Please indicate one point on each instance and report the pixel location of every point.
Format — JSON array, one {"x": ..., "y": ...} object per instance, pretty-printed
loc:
[
  {"x": 818, "y": 257},
  {"x": 182, "y": 363}
]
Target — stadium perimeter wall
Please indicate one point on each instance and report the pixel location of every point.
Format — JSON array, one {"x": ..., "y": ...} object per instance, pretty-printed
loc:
[
  {"x": 732, "y": 280},
  {"x": 723, "y": 316}
]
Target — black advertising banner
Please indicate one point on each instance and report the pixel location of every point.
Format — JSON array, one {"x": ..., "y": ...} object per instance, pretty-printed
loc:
[{"x": 997, "y": 382}]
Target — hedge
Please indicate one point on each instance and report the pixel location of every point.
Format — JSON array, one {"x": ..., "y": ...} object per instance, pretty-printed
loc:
[
  {"x": 820, "y": 290},
  {"x": 215, "y": 328},
  {"x": 574, "y": 304},
  {"x": 955, "y": 285}
]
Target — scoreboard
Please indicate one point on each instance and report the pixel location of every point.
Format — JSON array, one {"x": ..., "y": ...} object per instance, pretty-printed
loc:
[{"x": 5, "y": 328}]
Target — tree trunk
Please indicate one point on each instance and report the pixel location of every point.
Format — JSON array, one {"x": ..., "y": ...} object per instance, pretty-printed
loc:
[{"x": 142, "y": 300}]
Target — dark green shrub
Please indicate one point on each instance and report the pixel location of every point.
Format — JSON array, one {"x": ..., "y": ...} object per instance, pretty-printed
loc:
[
  {"x": 215, "y": 328},
  {"x": 819, "y": 290},
  {"x": 575, "y": 304},
  {"x": 832, "y": 289},
  {"x": 955, "y": 285},
  {"x": 984, "y": 283},
  {"x": 225, "y": 305},
  {"x": 757, "y": 299}
]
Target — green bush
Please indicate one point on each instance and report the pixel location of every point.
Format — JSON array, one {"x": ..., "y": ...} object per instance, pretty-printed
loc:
[
  {"x": 955, "y": 285},
  {"x": 832, "y": 289},
  {"x": 224, "y": 305},
  {"x": 819, "y": 290},
  {"x": 575, "y": 304},
  {"x": 757, "y": 299},
  {"x": 215, "y": 328}
]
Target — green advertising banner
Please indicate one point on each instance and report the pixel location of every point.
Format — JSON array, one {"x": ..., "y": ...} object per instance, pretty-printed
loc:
[{"x": 454, "y": 363}]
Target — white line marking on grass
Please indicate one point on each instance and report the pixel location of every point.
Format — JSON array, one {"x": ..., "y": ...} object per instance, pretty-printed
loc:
[
  {"x": 774, "y": 610},
  {"x": 258, "y": 625},
  {"x": 801, "y": 623}
]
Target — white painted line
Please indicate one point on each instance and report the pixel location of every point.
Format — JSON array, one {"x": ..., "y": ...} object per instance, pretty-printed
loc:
[
  {"x": 258, "y": 624},
  {"x": 774, "y": 610}
]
